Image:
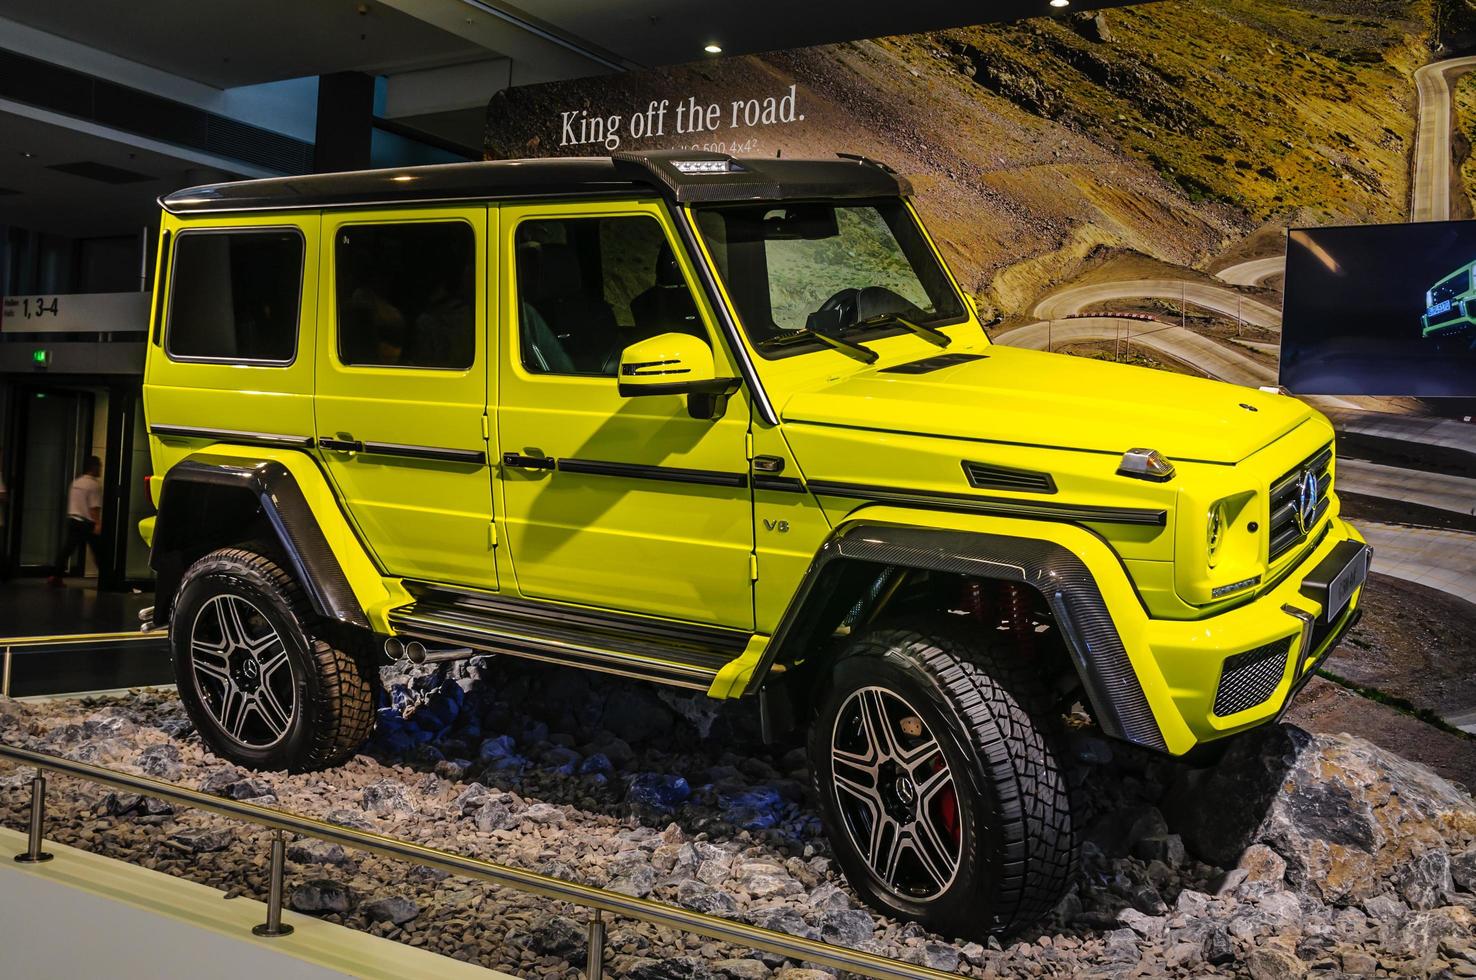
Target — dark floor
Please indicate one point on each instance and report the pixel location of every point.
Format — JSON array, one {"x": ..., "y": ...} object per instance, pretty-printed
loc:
[{"x": 29, "y": 608}]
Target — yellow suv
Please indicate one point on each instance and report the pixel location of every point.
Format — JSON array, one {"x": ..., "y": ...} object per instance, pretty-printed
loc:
[{"x": 728, "y": 425}]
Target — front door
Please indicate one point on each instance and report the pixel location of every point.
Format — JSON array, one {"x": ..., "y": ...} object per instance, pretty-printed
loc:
[
  {"x": 402, "y": 388},
  {"x": 646, "y": 509}
]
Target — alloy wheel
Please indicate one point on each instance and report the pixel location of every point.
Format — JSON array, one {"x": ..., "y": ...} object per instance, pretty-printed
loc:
[
  {"x": 242, "y": 672},
  {"x": 896, "y": 794}
]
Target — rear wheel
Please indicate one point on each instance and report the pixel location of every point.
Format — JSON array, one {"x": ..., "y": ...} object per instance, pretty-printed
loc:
[
  {"x": 940, "y": 787},
  {"x": 262, "y": 690}
]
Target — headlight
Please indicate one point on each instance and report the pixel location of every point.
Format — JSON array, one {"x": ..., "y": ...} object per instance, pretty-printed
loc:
[{"x": 1219, "y": 521}]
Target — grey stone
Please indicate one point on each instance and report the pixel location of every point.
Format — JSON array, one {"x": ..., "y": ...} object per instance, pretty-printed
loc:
[
  {"x": 934, "y": 955},
  {"x": 736, "y": 969},
  {"x": 1168, "y": 848},
  {"x": 200, "y": 840},
  {"x": 1147, "y": 926},
  {"x": 321, "y": 896},
  {"x": 397, "y": 910},
  {"x": 1341, "y": 812},
  {"x": 544, "y": 813},
  {"x": 1262, "y": 865},
  {"x": 560, "y": 936},
  {"x": 1424, "y": 881},
  {"x": 1420, "y": 934},
  {"x": 470, "y": 800},
  {"x": 160, "y": 761},
  {"x": 847, "y": 927},
  {"x": 700, "y": 897},
  {"x": 1219, "y": 949},
  {"x": 495, "y": 816},
  {"x": 309, "y": 851},
  {"x": 1123, "y": 946},
  {"x": 1463, "y": 869},
  {"x": 1270, "y": 963},
  {"x": 639, "y": 882},
  {"x": 386, "y": 797}
]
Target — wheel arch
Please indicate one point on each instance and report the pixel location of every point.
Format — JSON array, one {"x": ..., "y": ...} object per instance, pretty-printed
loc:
[
  {"x": 209, "y": 501},
  {"x": 856, "y": 553}
]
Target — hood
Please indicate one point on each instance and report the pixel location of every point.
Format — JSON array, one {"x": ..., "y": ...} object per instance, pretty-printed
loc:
[{"x": 1013, "y": 395}]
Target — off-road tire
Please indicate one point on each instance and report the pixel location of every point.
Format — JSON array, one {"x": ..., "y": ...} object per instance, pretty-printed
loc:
[
  {"x": 1019, "y": 847},
  {"x": 334, "y": 706}
]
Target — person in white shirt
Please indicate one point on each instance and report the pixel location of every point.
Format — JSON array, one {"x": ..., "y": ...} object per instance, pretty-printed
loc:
[{"x": 84, "y": 519}]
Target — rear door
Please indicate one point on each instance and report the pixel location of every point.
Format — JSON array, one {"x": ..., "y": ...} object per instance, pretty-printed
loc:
[{"x": 402, "y": 387}]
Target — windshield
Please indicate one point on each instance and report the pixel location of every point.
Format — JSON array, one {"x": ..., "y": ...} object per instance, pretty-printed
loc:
[{"x": 797, "y": 268}]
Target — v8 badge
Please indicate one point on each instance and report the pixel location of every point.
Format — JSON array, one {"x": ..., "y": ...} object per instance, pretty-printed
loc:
[{"x": 781, "y": 526}]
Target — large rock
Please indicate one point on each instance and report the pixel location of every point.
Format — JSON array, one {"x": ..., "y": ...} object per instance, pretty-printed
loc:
[{"x": 1346, "y": 816}]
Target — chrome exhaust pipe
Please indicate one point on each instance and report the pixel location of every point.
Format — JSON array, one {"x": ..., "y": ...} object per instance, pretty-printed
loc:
[{"x": 418, "y": 653}]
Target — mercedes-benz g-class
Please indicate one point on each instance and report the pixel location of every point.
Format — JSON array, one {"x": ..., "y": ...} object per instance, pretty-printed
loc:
[{"x": 730, "y": 425}]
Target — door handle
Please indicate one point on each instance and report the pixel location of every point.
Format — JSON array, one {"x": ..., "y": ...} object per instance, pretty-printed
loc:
[
  {"x": 340, "y": 445},
  {"x": 528, "y": 462}
]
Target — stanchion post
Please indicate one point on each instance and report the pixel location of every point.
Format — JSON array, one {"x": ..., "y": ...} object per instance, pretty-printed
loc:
[
  {"x": 5, "y": 678},
  {"x": 273, "y": 926},
  {"x": 594, "y": 968},
  {"x": 34, "y": 854}
]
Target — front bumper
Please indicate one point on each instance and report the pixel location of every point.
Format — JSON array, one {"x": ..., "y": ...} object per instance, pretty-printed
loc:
[{"x": 1241, "y": 668}]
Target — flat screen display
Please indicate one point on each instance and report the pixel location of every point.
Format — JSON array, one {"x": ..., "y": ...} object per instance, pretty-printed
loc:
[{"x": 1381, "y": 310}]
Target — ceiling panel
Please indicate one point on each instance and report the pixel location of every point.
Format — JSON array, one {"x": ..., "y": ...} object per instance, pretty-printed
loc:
[
  {"x": 226, "y": 43},
  {"x": 663, "y": 32},
  {"x": 35, "y": 158}
]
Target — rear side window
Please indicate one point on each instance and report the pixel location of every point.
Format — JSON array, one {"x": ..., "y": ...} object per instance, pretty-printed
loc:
[
  {"x": 406, "y": 295},
  {"x": 235, "y": 296}
]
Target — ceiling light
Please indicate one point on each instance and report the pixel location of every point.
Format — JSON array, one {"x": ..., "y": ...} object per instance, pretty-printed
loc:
[
  {"x": 712, "y": 47},
  {"x": 402, "y": 178},
  {"x": 1060, "y": 3}
]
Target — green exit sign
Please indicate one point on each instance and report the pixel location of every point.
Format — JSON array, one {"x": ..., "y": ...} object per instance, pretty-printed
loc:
[{"x": 41, "y": 358}]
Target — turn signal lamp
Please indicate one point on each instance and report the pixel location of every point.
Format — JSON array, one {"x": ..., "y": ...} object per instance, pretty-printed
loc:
[{"x": 1145, "y": 464}]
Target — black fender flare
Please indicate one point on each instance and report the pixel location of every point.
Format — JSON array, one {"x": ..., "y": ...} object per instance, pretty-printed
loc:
[
  {"x": 209, "y": 499},
  {"x": 1060, "y": 575}
]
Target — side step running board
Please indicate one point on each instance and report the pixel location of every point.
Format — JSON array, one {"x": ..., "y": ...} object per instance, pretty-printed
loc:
[{"x": 644, "y": 649}]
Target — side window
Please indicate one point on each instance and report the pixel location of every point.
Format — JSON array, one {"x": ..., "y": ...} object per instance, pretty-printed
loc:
[
  {"x": 406, "y": 295},
  {"x": 235, "y": 296},
  {"x": 590, "y": 287}
]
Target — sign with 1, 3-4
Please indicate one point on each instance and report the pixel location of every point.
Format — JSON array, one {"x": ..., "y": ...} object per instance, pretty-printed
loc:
[{"x": 75, "y": 313}]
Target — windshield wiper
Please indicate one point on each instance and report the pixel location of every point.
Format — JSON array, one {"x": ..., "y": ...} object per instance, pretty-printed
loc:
[
  {"x": 931, "y": 334},
  {"x": 861, "y": 353}
]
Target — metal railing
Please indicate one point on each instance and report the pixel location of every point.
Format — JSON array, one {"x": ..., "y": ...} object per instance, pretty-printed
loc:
[
  {"x": 597, "y": 900},
  {"x": 8, "y": 644}
]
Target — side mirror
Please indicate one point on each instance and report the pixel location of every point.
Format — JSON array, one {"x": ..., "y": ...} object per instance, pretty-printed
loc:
[{"x": 676, "y": 364}]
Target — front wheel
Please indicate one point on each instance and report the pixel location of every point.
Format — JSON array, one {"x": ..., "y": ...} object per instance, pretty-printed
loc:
[
  {"x": 261, "y": 689},
  {"x": 942, "y": 793}
]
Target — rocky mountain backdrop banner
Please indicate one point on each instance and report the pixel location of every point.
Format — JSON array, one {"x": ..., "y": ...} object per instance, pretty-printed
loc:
[{"x": 1113, "y": 184}]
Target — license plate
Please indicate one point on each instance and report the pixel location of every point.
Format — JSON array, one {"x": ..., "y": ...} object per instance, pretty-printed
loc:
[
  {"x": 1441, "y": 307},
  {"x": 1345, "y": 583}
]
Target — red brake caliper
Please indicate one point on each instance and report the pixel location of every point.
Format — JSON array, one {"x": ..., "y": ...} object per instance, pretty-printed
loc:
[{"x": 948, "y": 807}]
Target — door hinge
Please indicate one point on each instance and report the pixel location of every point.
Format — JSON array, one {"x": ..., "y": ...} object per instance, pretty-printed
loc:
[
  {"x": 491, "y": 534},
  {"x": 748, "y": 445},
  {"x": 752, "y": 567},
  {"x": 486, "y": 428}
]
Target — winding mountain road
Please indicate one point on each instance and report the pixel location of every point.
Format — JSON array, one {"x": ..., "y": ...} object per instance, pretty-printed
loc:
[
  {"x": 1430, "y": 188},
  {"x": 1227, "y": 302},
  {"x": 1215, "y": 359},
  {"x": 1254, "y": 272}
]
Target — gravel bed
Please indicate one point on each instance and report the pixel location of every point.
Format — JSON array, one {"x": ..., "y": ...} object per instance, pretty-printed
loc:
[{"x": 1346, "y": 860}]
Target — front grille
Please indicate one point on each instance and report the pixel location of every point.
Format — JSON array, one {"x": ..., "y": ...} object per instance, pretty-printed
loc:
[
  {"x": 1247, "y": 679},
  {"x": 1282, "y": 529},
  {"x": 1450, "y": 288}
]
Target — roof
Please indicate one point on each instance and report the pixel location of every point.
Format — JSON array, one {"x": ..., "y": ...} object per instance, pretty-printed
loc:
[{"x": 742, "y": 179}]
